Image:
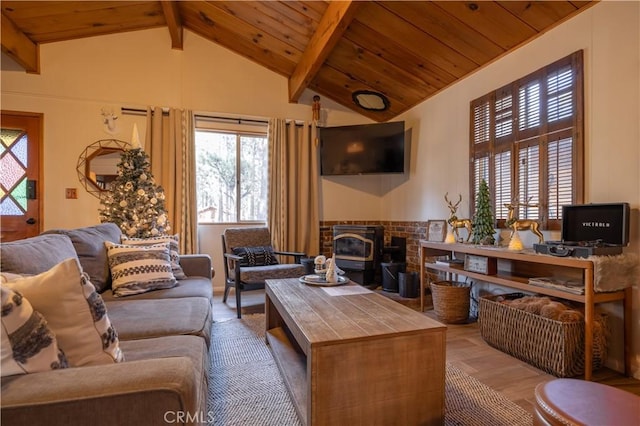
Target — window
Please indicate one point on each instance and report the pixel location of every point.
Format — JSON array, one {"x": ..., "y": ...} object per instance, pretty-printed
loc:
[
  {"x": 231, "y": 171},
  {"x": 527, "y": 142}
]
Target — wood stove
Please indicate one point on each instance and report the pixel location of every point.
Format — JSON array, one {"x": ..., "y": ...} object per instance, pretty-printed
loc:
[{"x": 358, "y": 251}]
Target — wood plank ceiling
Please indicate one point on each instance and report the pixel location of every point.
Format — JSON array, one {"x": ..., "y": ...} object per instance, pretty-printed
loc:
[{"x": 406, "y": 50}]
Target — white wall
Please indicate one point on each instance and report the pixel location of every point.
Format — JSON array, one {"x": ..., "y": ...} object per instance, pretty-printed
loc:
[{"x": 138, "y": 69}]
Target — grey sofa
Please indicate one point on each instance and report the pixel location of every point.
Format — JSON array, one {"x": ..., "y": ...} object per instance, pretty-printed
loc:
[{"x": 164, "y": 335}]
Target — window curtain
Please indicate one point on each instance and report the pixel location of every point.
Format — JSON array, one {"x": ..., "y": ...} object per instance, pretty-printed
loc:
[
  {"x": 293, "y": 186},
  {"x": 170, "y": 143}
]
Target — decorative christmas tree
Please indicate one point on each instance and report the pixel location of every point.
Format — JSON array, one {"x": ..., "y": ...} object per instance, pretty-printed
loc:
[
  {"x": 135, "y": 203},
  {"x": 483, "y": 218}
]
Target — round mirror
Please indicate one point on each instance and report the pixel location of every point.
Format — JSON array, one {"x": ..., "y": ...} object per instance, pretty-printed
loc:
[{"x": 98, "y": 164}]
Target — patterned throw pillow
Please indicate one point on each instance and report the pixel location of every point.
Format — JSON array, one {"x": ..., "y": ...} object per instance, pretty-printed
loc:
[
  {"x": 28, "y": 344},
  {"x": 174, "y": 249},
  {"x": 75, "y": 312},
  {"x": 256, "y": 256},
  {"x": 138, "y": 269}
]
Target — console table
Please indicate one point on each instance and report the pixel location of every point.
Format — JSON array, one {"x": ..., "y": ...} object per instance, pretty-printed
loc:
[
  {"x": 514, "y": 270},
  {"x": 355, "y": 358}
]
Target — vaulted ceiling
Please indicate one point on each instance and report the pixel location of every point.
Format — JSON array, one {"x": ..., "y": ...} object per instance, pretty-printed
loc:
[{"x": 405, "y": 50}]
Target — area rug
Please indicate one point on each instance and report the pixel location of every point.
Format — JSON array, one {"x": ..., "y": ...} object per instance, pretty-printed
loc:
[{"x": 246, "y": 387}]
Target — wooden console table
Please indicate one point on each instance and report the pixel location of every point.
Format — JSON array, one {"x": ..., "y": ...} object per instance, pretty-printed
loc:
[
  {"x": 355, "y": 359},
  {"x": 514, "y": 271}
]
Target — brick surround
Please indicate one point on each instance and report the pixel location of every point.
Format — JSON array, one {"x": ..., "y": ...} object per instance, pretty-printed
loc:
[{"x": 411, "y": 230}]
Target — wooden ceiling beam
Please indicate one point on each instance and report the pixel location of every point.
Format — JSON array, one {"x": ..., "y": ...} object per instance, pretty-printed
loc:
[
  {"x": 174, "y": 23},
  {"x": 19, "y": 47},
  {"x": 332, "y": 25}
]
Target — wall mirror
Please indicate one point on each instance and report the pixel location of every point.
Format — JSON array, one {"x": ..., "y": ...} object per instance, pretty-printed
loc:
[{"x": 98, "y": 164}]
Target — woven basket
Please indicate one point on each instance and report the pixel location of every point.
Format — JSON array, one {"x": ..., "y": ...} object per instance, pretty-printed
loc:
[
  {"x": 451, "y": 301},
  {"x": 555, "y": 347}
]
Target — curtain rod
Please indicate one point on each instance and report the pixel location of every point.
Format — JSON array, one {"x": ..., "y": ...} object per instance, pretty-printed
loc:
[
  {"x": 137, "y": 111},
  {"x": 239, "y": 120}
]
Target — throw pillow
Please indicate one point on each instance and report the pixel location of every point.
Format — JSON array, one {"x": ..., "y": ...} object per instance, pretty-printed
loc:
[
  {"x": 88, "y": 242},
  {"x": 138, "y": 269},
  {"x": 174, "y": 249},
  {"x": 75, "y": 312},
  {"x": 35, "y": 255},
  {"x": 28, "y": 345},
  {"x": 256, "y": 256}
]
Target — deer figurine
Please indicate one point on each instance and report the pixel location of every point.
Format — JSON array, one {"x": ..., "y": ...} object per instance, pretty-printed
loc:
[
  {"x": 453, "y": 220},
  {"x": 522, "y": 224}
]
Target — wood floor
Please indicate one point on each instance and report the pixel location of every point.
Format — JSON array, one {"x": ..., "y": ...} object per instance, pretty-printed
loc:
[{"x": 466, "y": 350}]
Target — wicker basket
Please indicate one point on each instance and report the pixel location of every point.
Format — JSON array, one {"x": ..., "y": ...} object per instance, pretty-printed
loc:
[
  {"x": 553, "y": 346},
  {"x": 451, "y": 301}
]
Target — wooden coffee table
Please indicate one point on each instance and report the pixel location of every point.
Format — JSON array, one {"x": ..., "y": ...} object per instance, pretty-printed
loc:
[{"x": 355, "y": 358}]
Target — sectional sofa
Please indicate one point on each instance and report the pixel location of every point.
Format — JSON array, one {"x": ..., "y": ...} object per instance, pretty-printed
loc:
[{"x": 154, "y": 362}]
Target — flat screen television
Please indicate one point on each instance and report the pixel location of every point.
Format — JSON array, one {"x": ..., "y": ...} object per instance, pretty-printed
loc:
[{"x": 362, "y": 149}]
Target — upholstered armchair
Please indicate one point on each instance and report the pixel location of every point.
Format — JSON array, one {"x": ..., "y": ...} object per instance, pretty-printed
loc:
[{"x": 250, "y": 260}]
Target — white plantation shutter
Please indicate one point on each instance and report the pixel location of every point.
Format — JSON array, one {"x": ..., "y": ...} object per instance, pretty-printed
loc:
[
  {"x": 503, "y": 115},
  {"x": 527, "y": 139},
  {"x": 529, "y": 106},
  {"x": 560, "y": 181},
  {"x": 528, "y": 181},
  {"x": 481, "y": 172},
  {"x": 481, "y": 138},
  {"x": 481, "y": 123},
  {"x": 560, "y": 92},
  {"x": 503, "y": 184}
]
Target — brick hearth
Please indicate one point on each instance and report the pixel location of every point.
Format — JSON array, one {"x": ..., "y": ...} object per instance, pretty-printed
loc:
[{"x": 413, "y": 232}]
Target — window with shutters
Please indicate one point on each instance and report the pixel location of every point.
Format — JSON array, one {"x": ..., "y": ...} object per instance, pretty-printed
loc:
[{"x": 527, "y": 143}]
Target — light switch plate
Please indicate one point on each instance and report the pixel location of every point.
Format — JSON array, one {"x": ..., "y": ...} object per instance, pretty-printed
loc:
[{"x": 71, "y": 193}]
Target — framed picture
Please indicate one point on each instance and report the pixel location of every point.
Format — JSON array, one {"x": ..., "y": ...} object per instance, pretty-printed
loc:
[{"x": 436, "y": 230}]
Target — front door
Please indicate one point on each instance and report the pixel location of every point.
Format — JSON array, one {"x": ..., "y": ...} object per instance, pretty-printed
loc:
[{"x": 20, "y": 182}]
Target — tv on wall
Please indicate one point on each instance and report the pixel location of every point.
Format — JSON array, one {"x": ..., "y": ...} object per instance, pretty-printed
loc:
[{"x": 362, "y": 149}]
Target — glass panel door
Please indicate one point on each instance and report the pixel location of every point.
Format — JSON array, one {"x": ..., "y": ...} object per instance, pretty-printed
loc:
[{"x": 19, "y": 175}]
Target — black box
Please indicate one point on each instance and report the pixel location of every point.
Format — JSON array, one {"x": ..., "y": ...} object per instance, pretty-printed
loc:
[
  {"x": 590, "y": 230},
  {"x": 591, "y": 222}
]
